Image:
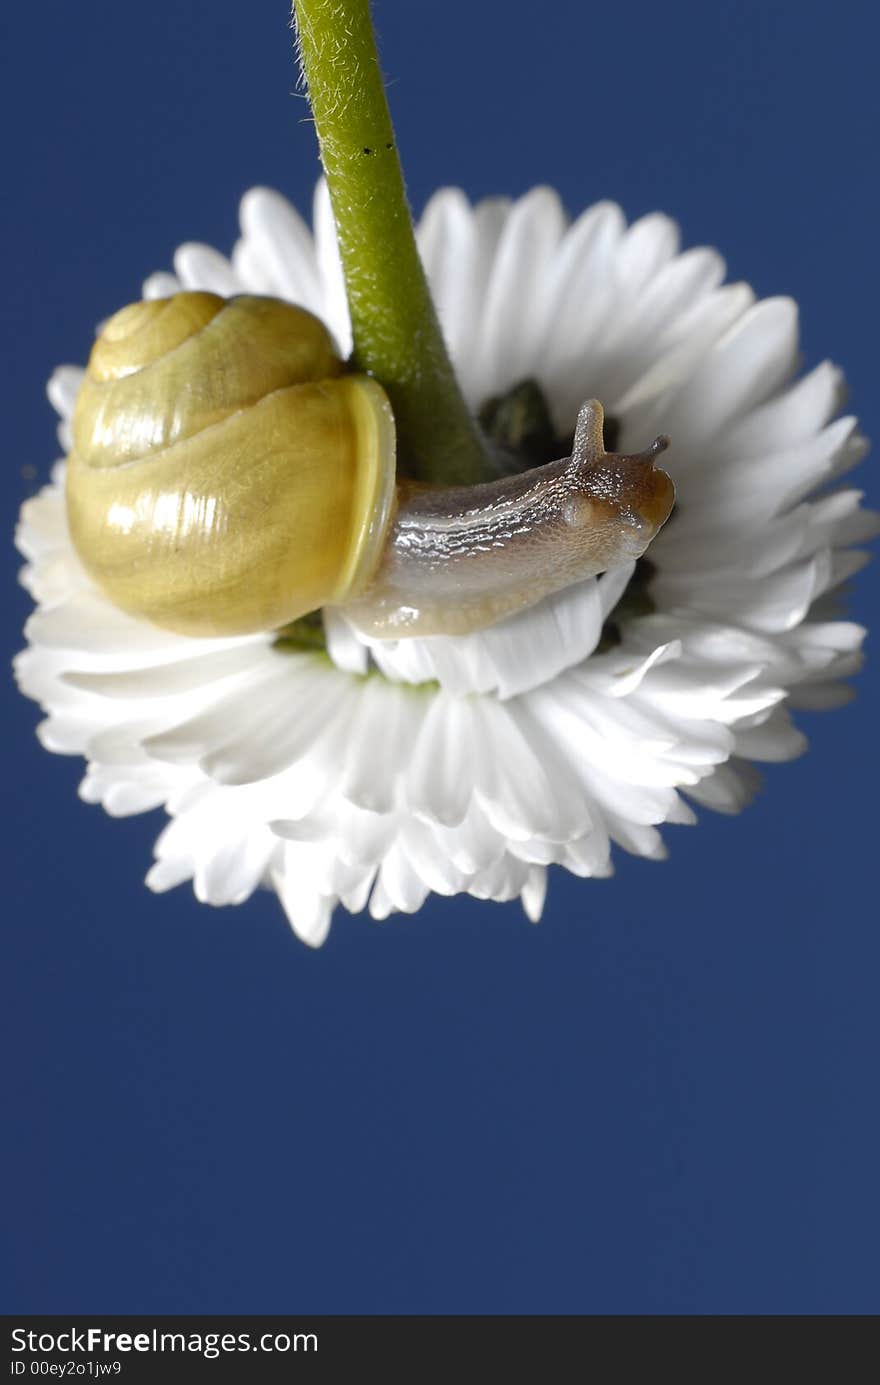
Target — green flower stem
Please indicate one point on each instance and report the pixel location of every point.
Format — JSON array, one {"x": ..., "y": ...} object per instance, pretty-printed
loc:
[{"x": 397, "y": 337}]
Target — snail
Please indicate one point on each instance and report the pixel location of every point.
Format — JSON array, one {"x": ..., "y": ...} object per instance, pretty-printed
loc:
[{"x": 229, "y": 475}]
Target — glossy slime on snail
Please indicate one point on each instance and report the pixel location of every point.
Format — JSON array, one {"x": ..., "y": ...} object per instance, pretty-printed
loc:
[{"x": 228, "y": 476}]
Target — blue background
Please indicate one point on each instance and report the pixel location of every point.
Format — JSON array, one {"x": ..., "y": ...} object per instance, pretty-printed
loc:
[{"x": 664, "y": 1098}]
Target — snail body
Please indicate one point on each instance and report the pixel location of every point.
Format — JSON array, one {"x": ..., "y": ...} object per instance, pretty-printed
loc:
[{"x": 228, "y": 476}]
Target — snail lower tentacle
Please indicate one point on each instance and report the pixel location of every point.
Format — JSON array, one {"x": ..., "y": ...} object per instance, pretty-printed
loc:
[{"x": 229, "y": 476}]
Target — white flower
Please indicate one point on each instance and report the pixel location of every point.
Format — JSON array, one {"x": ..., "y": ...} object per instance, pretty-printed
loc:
[{"x": 472, "y": 764}]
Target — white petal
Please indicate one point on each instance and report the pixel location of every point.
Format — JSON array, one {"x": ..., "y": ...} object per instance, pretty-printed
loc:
[
  {"x": 447, "y": 245},
  {"x": 515, "y": 295},
  {"x": 255, "y": 732},
  {"x": 648, "y": 245},
  {"x": 440, "y": 777},
  {"x": 473, "y": 370},
  {"x": 280, "y": 245},
  {"x": 790, "y": 417},
  {"x": 63, "y": 387},
  {"x": 430, "y": 863},
  {"x": 730, "y": 789},
  {"x": 381, "y": 733},
  {"x": 821, "y": 697},
  {"x": 773, "y": 602},
  {"x": 743, "y": 369},
  {"x": 166, "y": 874},
  {"x": 775, "y": 738},
  {"x": 169, "y": 680},
  {"x": 234, "y": 869},
  {"x": 201, "y": 267},
  {"x": 641, "y": 405},
  {"x": 160, "y": 285},
  {"x": 399, "y": 886},
  {"x": 308, "y": 913},
  {"x": 533, "y": 894},
  {"x": 749, "y": 492},
  {"x": 334, "y": 304},
  {"x": 512, "y": 656},
  {"x": 88, "y": 624},
  {"x": 347, "y": 651}
]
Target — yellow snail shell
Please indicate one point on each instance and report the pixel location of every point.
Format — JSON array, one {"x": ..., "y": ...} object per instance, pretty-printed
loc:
[{"x": 228, "y": 476}]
